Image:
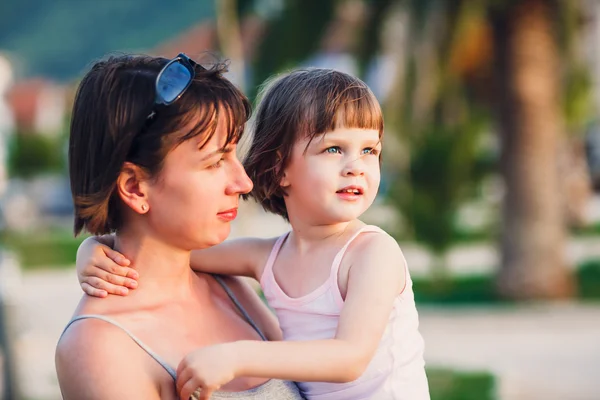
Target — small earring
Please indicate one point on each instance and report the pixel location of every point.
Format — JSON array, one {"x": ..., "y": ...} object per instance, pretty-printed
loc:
[{"x": 144, "y": 207}]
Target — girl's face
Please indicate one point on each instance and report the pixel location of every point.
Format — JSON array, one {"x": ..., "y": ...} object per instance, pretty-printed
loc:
[
  {"x": 196, "y": 195},
  {"x": 336, "y": 179}
]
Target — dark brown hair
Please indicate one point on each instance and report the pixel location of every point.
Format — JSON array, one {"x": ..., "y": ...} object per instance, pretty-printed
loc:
[
  {"x": 110, "y": 126},
  {"x": 302, "y": 103}
]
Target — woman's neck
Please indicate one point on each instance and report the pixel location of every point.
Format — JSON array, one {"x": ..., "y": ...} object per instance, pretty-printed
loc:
[{"x": 163, "y": 269}]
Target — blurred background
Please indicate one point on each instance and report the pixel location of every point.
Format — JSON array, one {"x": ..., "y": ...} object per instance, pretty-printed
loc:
[{"x": 491, "y": 172}]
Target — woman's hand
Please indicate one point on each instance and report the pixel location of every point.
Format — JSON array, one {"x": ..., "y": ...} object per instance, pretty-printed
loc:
[
  {"x": 102, "y": 271},
  {"x": 206, "y": 369}
]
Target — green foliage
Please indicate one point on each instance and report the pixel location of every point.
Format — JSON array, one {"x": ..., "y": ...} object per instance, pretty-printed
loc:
[
  {"x": 369, "y": 42},
  {"x": 588, "y": 277},
  {"x": 587, "y": 230},
  {"x": 292, "y": 36},
  {"x": 577, "y": 101},
  {"x": 56, "y": 249},
  {"x": 441, "y": 176},
  {"x": 447, "y": 384},
  {"x": 31, "y": 154}
]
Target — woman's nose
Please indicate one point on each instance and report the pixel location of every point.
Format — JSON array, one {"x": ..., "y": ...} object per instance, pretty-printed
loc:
[{"x": 241, "y": 183}]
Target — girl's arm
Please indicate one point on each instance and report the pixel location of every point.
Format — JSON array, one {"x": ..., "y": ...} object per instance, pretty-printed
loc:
[
  {"x": 102, "y": 270},
  {"x": 241, "y": 257},
  {"x": 376, "y": 277}
]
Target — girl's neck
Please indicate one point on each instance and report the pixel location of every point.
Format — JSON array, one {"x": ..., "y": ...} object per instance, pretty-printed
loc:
[{"x": 306, "y": 236}]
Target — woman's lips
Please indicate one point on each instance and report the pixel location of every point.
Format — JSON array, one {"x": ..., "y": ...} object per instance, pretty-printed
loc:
[{"x": 228, "y": 215}]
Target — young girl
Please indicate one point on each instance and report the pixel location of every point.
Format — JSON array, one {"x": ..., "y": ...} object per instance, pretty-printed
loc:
[{"x": 340, "y": 289}]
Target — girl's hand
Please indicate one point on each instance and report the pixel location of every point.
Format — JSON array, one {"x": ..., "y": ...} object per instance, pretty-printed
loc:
[
  {"x": 102, "y": 271},
  {"x": 206, "y": 370}
]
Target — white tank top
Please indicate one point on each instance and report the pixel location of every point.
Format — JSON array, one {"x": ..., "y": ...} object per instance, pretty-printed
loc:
[{"x": 397, "y": 368}]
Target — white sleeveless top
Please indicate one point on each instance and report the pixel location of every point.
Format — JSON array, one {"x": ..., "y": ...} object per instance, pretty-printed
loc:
[{"x": 397, "y": 368}]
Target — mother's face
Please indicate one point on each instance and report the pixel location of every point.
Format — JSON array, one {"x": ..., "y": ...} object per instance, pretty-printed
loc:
[{"x": 195, "y": 197}]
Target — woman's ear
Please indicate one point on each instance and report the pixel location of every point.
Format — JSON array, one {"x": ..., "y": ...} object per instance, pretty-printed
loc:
[{"x": 132, "y": 187}]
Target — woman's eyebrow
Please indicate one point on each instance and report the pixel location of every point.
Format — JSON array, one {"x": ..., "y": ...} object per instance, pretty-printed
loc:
[{"x": 223, "y": 150}]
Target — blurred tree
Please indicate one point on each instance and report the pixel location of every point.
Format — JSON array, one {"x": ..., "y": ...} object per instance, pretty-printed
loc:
[
  {"x": 506, "y": 56},
  {"x": 291, "y": 35},
  {"x": 434, "y": 112},
  {"x": 532, "y": 128},
  {"x": 230, "y": 41},
  {"x": 31, "y": 154}
]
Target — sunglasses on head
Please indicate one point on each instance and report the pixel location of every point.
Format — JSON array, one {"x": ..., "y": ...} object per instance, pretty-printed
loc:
[{"x": 173, "y": 80}]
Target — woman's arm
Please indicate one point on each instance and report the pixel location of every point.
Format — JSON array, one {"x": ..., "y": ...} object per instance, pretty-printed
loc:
[
  {"x": 104, "y": 368},
  {"x": 376, "y": 277}
]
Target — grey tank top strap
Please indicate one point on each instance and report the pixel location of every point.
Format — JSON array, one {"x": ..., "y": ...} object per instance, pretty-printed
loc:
[
  {"x": 151, "y": 353},
  {"x": 239, "y": 306}
]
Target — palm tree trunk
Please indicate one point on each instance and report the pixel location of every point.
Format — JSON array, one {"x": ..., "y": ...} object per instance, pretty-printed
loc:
[
  {"x": 230, "y": 40},
  {"x": 531, "y": 128}
]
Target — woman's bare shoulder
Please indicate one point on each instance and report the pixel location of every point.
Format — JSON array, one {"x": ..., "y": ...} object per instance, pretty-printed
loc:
[{"x": 101, "y": 361}]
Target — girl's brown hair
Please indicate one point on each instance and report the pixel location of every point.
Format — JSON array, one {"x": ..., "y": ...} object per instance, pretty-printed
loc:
[{"x": 302, "y": 103}]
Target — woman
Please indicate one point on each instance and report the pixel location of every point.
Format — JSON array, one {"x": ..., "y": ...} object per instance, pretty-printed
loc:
[{"x": 152, "y": 158}]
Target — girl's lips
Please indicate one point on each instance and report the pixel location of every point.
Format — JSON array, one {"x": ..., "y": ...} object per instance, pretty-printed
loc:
[
  {"x": 348, "y": 196},
  {"x": 350, "y": 193},
  {"x": 228, "y": 215}
]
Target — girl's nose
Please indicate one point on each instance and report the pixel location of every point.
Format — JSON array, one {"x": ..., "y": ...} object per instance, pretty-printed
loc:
[{"x": 354, "y": 168}]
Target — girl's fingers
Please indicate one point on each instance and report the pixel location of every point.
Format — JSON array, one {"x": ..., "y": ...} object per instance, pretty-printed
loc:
[
  {"x": 101, "y": 272},
  {"x": 204, "y": 394},
  {"x": 92, "y": 291},
  {"x": 188, "y": 389},
  {"x": 116, "y": 256},
  {"x": 102, "y": 284},
  {"x": 133, "y": 274},
  {"x": 109, "y": 266},
  {"x": 183, "y": 376},
  {"x": 116, "y": 279}
]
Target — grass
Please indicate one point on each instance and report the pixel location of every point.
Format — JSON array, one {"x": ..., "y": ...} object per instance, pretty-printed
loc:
[
  {"x": 449, "y": 384},
  {"x": 455, "y": 290}
]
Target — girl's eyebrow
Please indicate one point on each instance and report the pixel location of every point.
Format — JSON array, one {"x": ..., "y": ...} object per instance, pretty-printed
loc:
[{"x": 328, "y": 141}]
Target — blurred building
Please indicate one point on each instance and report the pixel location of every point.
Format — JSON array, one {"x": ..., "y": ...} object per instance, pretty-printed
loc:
[{"x": 39, "y": 106}]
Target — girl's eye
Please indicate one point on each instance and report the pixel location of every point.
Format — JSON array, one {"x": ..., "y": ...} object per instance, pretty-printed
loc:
[
  {"x": 333, "y": 150},
  {"x": 371, "y": 151}
]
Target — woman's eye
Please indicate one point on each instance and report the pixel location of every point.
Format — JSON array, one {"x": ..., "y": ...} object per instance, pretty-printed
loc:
[
  {"x": 333, "y": 150},
  {"x": 218, "y": 164}
]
